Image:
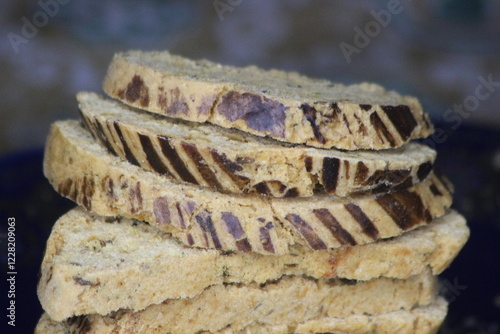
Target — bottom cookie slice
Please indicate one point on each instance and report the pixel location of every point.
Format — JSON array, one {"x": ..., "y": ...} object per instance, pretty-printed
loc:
[
  {"x": 89, "y": 260},
  {"x": 420, "y": 320},
  {"x": 283, "y": 301}
]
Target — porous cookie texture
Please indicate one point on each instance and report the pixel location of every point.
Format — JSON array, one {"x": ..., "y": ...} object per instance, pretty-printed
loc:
[
  {"x": 234, "y": 161},
  {"x": 90, "y": 260},
  {"x": 419, "y": 320},
  {"x": 288, "y": 300},
  {"x": 82, "y": 170},
  {"x": 282, "y": 105}
]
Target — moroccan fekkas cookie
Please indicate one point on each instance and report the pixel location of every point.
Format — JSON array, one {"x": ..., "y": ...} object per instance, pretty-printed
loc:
[
  {"x": 287, "y": 300},
  {"x": 419, "y": 320},
  {"x": 283, "y": 105},
  {"x": 90, "y": 260},
  {"x": 80, "y": 169},
  {"x": 234, "y": 161}
]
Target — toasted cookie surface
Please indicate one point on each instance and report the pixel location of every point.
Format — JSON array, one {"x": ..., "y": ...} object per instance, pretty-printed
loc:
[
  {"x": 283, "y": 105},
  {"x": 283, "y": 301},
  {"x": 234, "y": 161},
  {"x": 80, "y": 169},
  {"x": 419, "y": 320},
  {"x": 90, "y": 260}
]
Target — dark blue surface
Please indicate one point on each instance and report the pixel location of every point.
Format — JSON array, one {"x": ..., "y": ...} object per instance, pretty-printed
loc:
[
  {"x": 471, "y": 283},
  {"x": 26, "y": 196}
]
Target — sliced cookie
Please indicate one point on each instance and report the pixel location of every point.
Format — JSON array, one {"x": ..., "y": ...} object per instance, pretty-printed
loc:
[
  {"x": 419, "y": 320},
  {"x": 82, "y": 170},
  {"x": 288, "y": 300},
  {"x": 238, "y": 162},
  {"x": 90, "y": 260},
  {"x": 283, "y": 105}
]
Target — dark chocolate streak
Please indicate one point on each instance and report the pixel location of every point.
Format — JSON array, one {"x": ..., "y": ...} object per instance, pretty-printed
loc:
[
  {"x": 361, "y": 173},
  {"x": 135, "y": 197},
  {"x": 262, "y": 188},
  {"x": 137, "y": 90},
  {"x": 233, "y": 225},
  {"x": 335, "y": 107},
  {"x": 308, "y": 162},
  {"x": 190, "y": 239},
  {"x": 346, "y": 123},
  {"x": 128, "y": 153},
  {"x": 310, "y": 114},
  {"x": 435, "y": 190},
  {"x": 243, "y": 245},
  {"x": 259, "y": 112},
  {"x": 292, "y": 192},
  {"x": 265, "y": 237},
  {"x": 306, "y": 231},
  {"x": 65, "y": 187},
  {"x": 181, "y": 216},
  {"x": 205, "y": 221},
  {"x": 86, "y": 192},
  {"x": 152, "y": 156},
  {"x": 330, "y": 175},
  {"x": 424, "y": 170},
  {"x": 389, "y": 177},
  {"x": 206, "y": 173},
  {"x": 82, "y": 281},
  {"x": 405, "y": 208},
  {"x": 102, "y": 136},
  {"x": 176, "y": 162},
  {"x": 362, "y": 127},
  {"x": 381, "y": 129},
  {"x": 368, "y": 227},
  {"x": 229, "y": 167},
  {"x": 226, "y": 164},
  {"x": 347, "y": 169},
  {"x": 402, "y": 118},
  {"x": 78, "y": 325},
  {"x": 161, "y": 211},
  {"x": 333, "y": 225}
]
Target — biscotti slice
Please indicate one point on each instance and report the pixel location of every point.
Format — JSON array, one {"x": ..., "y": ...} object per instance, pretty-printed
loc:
[
  {"x": 419, "y": 320},
  {"x": 90, "y": 260},
  {"x": 283, "y": 105},
  {"x": 82, "y": 170},
  {"x": 234, "y": 161},
  {"x": 288, "y": 300}
]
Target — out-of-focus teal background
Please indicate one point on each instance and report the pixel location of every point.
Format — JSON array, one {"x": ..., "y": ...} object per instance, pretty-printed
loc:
[
  {"x": 435, "y": 50},
  {"x": 445, "y": 52}
]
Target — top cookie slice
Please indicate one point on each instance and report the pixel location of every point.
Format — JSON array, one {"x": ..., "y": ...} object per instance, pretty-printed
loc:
[{"x": 283, "y": 105}]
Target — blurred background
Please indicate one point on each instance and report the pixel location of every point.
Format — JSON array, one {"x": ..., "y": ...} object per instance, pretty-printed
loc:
[{"x": 445, "y": 52}]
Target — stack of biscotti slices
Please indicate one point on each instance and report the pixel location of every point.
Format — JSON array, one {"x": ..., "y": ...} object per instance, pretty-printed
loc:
[{"x": 215, "y": 199}]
